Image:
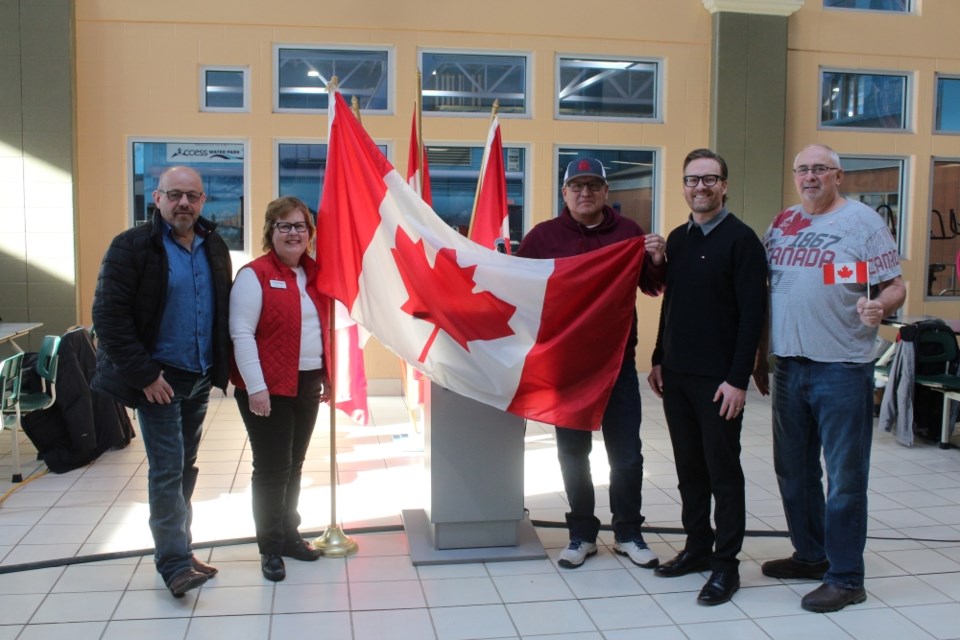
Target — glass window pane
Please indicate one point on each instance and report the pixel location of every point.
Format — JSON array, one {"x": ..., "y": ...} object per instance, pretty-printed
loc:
[
  {"x": 220, "y": 164},
  {"x": 872, "y": 5},
  {"x": 878, "y": 183},
  {"x": 300, "y": 171},
  {"x": 223, "y": 89},
  {"x": 608, "y": 88},
  {"x": 942, "y": 277},
  {"x": 454, "y": 172},
  {"x": 303, "y": 75},
  {"x": 461, "y": 82},
  {"x": 631, "y": 174},
  {"x": 948, "y": 104},
  {"x": 863, "y": 100}
]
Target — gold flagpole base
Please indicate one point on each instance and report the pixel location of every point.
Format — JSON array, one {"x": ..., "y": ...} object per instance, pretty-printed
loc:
[{"x": 334, "y": 543}]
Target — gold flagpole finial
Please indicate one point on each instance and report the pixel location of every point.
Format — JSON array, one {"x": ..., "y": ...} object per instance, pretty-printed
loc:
[
  {"x": 355, "y": 107},
  {"x": 333, "y": 86}
]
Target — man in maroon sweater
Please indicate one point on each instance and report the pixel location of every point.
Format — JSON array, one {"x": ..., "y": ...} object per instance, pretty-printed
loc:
[{"x": 587, "y": 223}]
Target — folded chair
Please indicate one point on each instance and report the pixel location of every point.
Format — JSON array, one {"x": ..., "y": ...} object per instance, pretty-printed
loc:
[
  {"x": 10, "y": 405},
  {"x": 46, "y": 368}
]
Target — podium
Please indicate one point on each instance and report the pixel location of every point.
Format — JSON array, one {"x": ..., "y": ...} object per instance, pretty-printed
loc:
[{"x": 473, "y": 455}]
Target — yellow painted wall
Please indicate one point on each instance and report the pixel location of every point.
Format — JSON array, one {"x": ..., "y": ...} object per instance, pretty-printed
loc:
[
  {"x": 873, "y": 41},
  {"x": 138, "y": 65}
]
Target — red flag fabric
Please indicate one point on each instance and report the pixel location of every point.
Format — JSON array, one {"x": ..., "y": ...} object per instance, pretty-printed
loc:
[
  {"x": 542, "y": 339},
  {"x": 418, "y": 177},
  {"x": 351, "y": 381},
  {"x": 845, "y": 273},
  {"x": 491, "y": 225}
]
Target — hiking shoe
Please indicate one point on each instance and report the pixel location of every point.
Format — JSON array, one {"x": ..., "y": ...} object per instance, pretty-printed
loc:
[
  {"x": 830, "y": 597},
  {"x": 788, "y": 568},
  {"x": 576, "y": 554},
  {"x": 638, "y": 552}
]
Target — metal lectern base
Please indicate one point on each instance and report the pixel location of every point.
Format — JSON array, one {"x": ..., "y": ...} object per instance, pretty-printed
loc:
[{"x": 423, "y": 551}]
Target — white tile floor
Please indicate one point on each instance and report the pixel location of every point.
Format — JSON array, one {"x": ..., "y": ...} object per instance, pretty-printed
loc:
[{"x": 912, "y": 579}]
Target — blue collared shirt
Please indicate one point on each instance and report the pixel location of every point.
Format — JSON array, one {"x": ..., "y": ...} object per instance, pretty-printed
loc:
[{"x": 186, "y": 326}]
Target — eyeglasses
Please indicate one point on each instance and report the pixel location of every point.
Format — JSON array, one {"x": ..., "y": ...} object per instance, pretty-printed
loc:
[
  {"x": 287, "y": 227},
  {"x": 708, "y": 180},
  {"x": 593, "y": 187},
  {"x": 174, "y": 196},
  {"x": 817, "y": 170}
]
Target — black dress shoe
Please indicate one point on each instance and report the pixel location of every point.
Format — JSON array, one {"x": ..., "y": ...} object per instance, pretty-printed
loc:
[
  {"x": 301, "y": 550},
  {"x": 681, "y": 565},
  {"x": 788, "y": 568},
  {"x": 720, "y": 587},
  {"x": 272, "y": 567},
  {"x": 830, "y": 597},
  {"x": 185, "y": 581},
  {"x": 202, "y": 567}
]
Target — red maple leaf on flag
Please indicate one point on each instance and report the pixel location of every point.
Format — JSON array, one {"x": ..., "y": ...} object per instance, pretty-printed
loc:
[
  {"x": 444, "y": 295},
  {"x": 845, "y": 272}
]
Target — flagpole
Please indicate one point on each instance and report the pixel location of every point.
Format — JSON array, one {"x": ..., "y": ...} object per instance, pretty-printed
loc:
[
  {"x": 355, "y": 107},
  {"x": 334, "y": 543},
  {"x": 421, "y": 150},
  {"x": 483, "y": 163}
]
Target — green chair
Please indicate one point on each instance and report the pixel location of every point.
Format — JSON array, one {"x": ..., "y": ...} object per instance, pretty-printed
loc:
[
  {"x": 46, "y": 368},
  {"x": 10, "y": 405},
  {"x": 940, "y": 348}
]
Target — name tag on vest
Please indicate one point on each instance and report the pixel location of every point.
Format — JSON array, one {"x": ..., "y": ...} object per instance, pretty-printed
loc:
[{"x": 278, "y": 284}]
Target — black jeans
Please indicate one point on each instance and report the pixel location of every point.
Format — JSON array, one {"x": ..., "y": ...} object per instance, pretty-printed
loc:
[
  {"x": 279, "y": 444},
  {"x": 706, "y": 449}
]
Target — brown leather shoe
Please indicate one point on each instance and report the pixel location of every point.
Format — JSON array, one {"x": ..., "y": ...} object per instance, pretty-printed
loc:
[
  {"x": 829, "y": 597},
  {"x": 788, "y": 568},
  {"x": 185, "y": 581},
  {"x": 202, "y": 567}
]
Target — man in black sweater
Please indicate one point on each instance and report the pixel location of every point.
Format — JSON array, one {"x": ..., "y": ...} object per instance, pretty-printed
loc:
[{"x": 710, "y": 325}]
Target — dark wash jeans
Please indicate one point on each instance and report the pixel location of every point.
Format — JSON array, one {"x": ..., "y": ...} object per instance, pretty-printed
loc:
[
  {"x": 279, "y": 444},
  {"x": 171, "y": 436},
  {"x": 621, "y": 437},
  {"x": 824, "y": 406}
]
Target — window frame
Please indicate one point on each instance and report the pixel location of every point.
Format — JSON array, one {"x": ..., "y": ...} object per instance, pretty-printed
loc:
[
  {"x": 908, "y": 98},
  {"x": 912, "y": 8},
  {"x": 903, "y": 193},
  {"x": 528, "y": 99},
  {"x": 657, "y": 184},
  {"x": 927, "y": 297},
  {"x": 245, "y": 70},
  {"x": 390, "y": 52},
  {"x": 936, "y": 102},
  {"x": 660, "y": 63},
  {"x": 245, "y": 250}
]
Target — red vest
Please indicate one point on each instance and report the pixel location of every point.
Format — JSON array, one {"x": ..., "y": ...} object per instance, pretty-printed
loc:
[{"x": 278, "y": 331}]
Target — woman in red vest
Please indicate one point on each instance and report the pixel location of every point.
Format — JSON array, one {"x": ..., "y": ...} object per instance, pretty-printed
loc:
[{"x": 276, "y": 322}]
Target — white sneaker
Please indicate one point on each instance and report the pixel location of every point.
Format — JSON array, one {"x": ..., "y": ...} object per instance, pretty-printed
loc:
[
  {"x": 576, "y": 554},
  {"x": 638, "y": 552}
]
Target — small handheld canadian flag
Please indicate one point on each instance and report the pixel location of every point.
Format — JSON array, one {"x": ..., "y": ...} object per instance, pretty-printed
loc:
[{"x": 845, "y": 273}]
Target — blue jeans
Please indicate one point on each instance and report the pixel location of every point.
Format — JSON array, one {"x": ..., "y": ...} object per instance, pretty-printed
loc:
[
  {"x": 621, "y": 437},
  {"x": 171, "y": 436},
  {"x": 829, "y": 407}
]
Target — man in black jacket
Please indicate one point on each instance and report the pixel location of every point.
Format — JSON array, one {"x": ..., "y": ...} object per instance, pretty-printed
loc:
[
  {"x": 160, "y": 312},
  {"x": 710, "y": 325}
]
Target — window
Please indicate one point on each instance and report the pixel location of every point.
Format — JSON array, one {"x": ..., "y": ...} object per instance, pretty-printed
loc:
[
  {"x": 863, "y": 100},
  {"x": 224, "y": 89},
  {"x": 944, "y": 252},
  {"x": 302, "y": 74},
  {"x": 470, "y": 82},
  {"x": 878, "y": 183},
  {"x": 631, "y": 174},
  {"x": 948, "y": 105},
  {"x": 902, "y": 6},
  {"x": 221, "y": 164},
  {"x": 300, "y": 170},
  {"x": 615, "y": 88},
  {"x": 454, "y": 171}
]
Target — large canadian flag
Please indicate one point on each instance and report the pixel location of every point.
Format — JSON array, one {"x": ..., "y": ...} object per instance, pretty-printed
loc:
[
  {"x": 490, "y": 225},
  {"x": 543, "y": 339}
]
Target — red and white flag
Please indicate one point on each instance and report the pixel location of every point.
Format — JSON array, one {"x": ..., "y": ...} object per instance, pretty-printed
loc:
[
  {"x": 418, "y": 177},
  {"x": 543, "y": 339},
  {"x": 351, "y": 382},
  {"x": 845, "y": 273},
  {"x": 490, "y": 225}
]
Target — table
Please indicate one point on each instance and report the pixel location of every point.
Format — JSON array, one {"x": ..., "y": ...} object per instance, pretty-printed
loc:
[{"x": 10, "y": 331}]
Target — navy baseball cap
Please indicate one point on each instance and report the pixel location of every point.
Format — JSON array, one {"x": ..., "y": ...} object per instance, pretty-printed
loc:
[{"x": 590, "y": 167}]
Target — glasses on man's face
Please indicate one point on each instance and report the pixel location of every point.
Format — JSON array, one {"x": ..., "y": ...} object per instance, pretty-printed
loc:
[
  {"x": 287, "y": 227},
  {"x": 592, "y": 187},
  {"x": 817, "y": 170},
  {"x": 708, "y": 180},
  {"x": 193, "y": 197}
]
